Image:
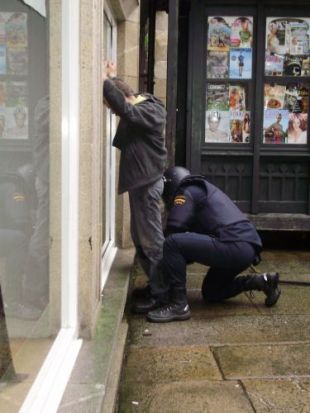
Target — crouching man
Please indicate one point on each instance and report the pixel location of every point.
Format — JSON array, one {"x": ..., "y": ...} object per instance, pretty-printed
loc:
[{"x": 205, "y": 226}]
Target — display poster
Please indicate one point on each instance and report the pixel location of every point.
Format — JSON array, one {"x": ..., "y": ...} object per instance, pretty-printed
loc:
[
  {"x": 285, "y": 113},
  {"x": 13, "y": 76},
  {"x": 227, "y": 119},
  {"x": 287, "y": 46},
  {"x": 217, "y": 64},
  {"x": 229, "y": 47},
  {"x": 240, "y": 64}
]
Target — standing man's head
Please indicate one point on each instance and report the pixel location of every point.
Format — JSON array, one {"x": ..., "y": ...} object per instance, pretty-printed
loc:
[
  {"x": 123, "y": 87},
  {"x": 109, "y": 72}
]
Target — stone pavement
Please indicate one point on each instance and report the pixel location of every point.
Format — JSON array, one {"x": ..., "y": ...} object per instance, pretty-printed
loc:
[{"x": 233, "y": 357}]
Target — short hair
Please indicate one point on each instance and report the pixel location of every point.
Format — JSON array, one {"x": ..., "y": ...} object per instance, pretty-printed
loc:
[{"x": 123, "y": 87}]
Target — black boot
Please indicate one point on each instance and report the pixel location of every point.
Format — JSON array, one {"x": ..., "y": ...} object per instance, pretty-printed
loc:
[
  {"x": 145, "y": 304},
  {"x": 266, "y": 282},
  {"x": 141, "y": 292},
  {"x": 176, "y": 310}
]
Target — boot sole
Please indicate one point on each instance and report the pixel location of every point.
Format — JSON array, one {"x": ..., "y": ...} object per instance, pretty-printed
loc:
[{"x": 181, "y": 317}]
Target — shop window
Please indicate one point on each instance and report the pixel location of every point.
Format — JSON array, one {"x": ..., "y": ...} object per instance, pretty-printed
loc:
[
  {"x": 229, "y": 73},
  {"x": 231, "y": 78},
  {"x": 24, "y": 193},
  {"x": 286, "y": 102}
]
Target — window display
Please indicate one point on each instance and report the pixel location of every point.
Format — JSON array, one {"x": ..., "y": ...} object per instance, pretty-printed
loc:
[
  {"x": 286, "y": 104},
  {"x": 227, "y": 119},
  {"x": 287, "y": 46},
  {"x": 285, "y": 113},
  {"x": 229, "y": 69},
  {"x": 229, "y": 47}
]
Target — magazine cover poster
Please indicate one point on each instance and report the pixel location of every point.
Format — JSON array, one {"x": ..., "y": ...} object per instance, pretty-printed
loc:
[
  {"x": 16, "y": 30},
  {"x": 217, "y": 126},
  {"x": 242, "y": 32},
  {"x": 240, "y": 63},
  {"x": 17, "y": 61},
  {"x": 217, "y": 97},
  {"x": 237, "y": 97},
  {"x": 240, "y": 126},
  {"x": 305, "y": 66},
  {"x": 16, "y": 94},
  {"x": 274, "y": 65},
  {"x": 236, "y": 130},
  {"x": 219, "y": 32},
  {"x": 277, "y": 36},
  {"x": 275, "y": 125},
  {"x": 217, "y": 64},
  {"x": 296, "y": 98},
  {"x": 274, "y": 96},
  {"x": 16, "y": 123},
  {"x": 303, "y": 91},
  {"x": 299, "y": 36},
  {"x": 297, "y": 128}
]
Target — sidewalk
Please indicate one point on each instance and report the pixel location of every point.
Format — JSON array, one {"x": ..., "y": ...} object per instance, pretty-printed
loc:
[{"x": 233, "y": 357}]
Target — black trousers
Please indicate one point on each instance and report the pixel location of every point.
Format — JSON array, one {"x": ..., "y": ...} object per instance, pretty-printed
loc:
[{"x": 225, "y": 259}]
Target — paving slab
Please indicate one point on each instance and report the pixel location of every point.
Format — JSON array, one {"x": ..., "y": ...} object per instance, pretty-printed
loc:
[
  {"x": 264, "y": 361},
  {"x": 287, "y": 396},
  {"x": 166, "y": 364},
  {"x": 190, "y": 397},
  {"x": 289, "y": 263},
  {"x": 221, "y": 330},
  {"x": 293, "y": 300},
  {"x": 244, "y": 357}
]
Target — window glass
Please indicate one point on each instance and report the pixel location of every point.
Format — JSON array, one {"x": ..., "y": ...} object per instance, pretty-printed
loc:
[
  {"x": 285, "y": 113},
  {"x": 285, "y": 119},
  {"x": 24, "y": 198},
  {"x": 287, "y": 46},
  {"x": 229, "y": 70}
]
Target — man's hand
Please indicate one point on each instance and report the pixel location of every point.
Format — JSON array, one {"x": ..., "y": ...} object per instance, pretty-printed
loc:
[{"x": 109, "y": 70}]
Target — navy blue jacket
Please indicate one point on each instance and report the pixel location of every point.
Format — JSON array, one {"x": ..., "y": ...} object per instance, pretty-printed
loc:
[
  {"x": 203, "y": 208},
  {"x": 139, "y": 136}
]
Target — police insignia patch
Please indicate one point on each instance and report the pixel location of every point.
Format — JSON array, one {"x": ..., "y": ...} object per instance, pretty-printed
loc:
[{"x": 179, "y": 200}]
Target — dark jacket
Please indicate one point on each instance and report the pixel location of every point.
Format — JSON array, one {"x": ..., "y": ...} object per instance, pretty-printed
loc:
[
  {"x": 15, "y": 206},
  {"x": 203, "y": 208},
  {"x": 140, "y": 138}
]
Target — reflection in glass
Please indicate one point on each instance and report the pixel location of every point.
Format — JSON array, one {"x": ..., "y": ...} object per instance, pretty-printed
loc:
[{"x": 24, "y": 184}]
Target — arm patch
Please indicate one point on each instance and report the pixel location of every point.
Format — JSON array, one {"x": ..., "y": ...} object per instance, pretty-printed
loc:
[{"x": 179, "y": 200}]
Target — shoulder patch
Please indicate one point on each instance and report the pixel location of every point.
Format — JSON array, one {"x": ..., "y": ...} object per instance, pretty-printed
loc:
[{"x": 180, "y": 200}]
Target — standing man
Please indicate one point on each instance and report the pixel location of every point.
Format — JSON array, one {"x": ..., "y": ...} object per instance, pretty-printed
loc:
[
  {"x": 205, "y": 226},
  {"x": 140, "y": 138}
]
